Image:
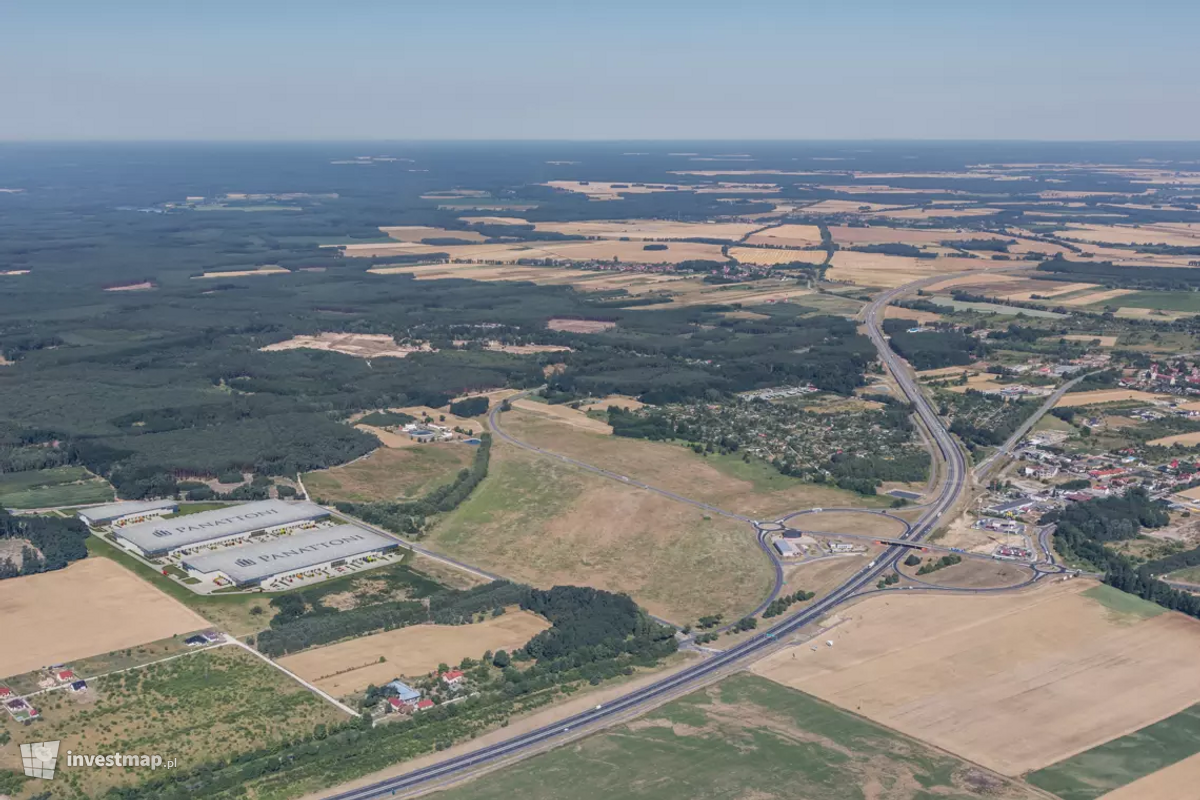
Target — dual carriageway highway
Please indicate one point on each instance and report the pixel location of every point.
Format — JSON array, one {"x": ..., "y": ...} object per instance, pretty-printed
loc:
[{"x": 956, "y": 480}]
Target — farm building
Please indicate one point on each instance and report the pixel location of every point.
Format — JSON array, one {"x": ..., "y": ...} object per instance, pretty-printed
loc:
[
  {"x": 404, "y": 692},
  {"x": 153, "y": 539},
  {"x": 126, "y": 513},
  {"x": 287, "y": 556}
]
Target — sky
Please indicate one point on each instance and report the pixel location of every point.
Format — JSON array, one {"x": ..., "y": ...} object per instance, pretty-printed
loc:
[{"x": 613, "y": 69}]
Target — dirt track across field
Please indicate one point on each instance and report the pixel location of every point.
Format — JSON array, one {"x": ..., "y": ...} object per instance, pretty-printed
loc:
[
  {"x": 1014, "y": 682},
  {"x": 93, "y": 606}
]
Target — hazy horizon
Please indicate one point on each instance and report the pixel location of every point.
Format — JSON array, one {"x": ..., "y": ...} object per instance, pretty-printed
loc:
[{"x": 618, "y": 71}]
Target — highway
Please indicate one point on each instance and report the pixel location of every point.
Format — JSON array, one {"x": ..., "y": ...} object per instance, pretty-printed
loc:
[{"x": 955, "y": 481}]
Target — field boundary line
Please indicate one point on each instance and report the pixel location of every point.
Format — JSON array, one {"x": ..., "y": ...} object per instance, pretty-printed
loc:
[{"x": 312, "y": 688}]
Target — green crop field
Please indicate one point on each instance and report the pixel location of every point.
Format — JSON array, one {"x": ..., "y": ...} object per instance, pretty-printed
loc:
[
  {"x": 1122, "y": 603},
  {"x": 1102, "y": 769},
  {"x": 58, "y": 486},
  {"x": 746, "y": 737},
  {"x": 1163, "y": 301}
]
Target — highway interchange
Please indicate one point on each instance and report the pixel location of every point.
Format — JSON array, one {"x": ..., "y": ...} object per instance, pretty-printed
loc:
[{"x": 956, "y": 480}]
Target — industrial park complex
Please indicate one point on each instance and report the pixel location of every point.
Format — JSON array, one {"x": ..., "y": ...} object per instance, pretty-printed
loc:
[{"x": 268, "y": 543}]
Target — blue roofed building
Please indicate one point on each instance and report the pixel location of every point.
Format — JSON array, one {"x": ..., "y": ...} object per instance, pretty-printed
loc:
[{"x": 404, "y": 692}]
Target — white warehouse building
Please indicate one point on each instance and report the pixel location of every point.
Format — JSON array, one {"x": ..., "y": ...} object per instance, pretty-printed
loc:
[
  {"x": 123, "y": 513},
  {"x": 286, "y": 556},
  {"x": 154, "y": 539}
]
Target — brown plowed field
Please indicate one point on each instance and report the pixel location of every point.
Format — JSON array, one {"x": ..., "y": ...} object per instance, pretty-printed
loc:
[
  {"x": 1014, "y": 682},
  {"x": 1171, "y": 783}
]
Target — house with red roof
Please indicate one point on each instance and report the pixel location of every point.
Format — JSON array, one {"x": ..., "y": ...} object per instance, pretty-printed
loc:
[
  {"x": 5, "y": 692},
  {"x": 424, "y": 705},
  {"x": 65, "y": 676},
  {"x": 398, "y": 706},
  {"x": 453, "y": 677}
]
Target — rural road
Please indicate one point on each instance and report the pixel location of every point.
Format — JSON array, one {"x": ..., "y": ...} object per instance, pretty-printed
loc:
[{"x": 956, "y": 480}]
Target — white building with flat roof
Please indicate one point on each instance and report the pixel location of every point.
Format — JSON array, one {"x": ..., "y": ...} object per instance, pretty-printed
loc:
[
  {"x": 153, "y": 539},
  {"x": 124, "y": 513},
  {"x": 286, "y": 556}
]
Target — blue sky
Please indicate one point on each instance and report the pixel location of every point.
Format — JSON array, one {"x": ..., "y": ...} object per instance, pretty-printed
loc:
[{"x": 748, "y": 69}]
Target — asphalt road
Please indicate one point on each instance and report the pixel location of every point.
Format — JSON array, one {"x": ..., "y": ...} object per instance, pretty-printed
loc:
[{"x": 955, "y": 481}]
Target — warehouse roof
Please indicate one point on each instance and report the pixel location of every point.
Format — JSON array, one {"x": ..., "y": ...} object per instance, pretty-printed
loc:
[
  {"x": 165, "y": 535},
  {"x": 98, "y": 515},
  {"x": 251, "y": 563}
]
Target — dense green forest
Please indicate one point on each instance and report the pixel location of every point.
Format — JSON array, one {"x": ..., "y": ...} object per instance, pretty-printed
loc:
[
  {"x": 1084, "y": 529},
  {"x": 932, "y": 349},
  {"x": 53, "y": 543}
]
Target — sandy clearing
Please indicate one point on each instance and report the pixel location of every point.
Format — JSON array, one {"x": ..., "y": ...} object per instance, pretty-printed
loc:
[
  {"x": 526, "y": 349},
  {"x": 945, "y": 372},
  {"x": 773, "y": 256},
  {"x": 651, "y": 229},
  {"x": 360, "y": 345},
  {"x": 14, "y": 272},
  {"x": 608, "y": 190},
  {"x": 789, "y": 236},
  {"x": 580, "y": 325},
  {"x": 494, "y": 220},
  {"x": 1186, "y": 439},
  {"x": 131, "y": 287},
  {"x": 1095, "y": 297},
  {"x": 93, "y": 606},
  {"x": 242, "y": 273},
  {"x": 1105, "y": 341},
  {"x": 563, "y": 414},
  {"x": 1190, "y": 494},
  {"x": 1107, "y": 396},
  {"x": 619, "y": 400},
  {"x": 1126, "y": 312},
  {"x": 1008, "y": 681},
  {"x": 411, "y": 651},
  {"x": 1170, "y": 783},
  {"x": 922, "y": 317},
  {"x": 757, "y": 295}
]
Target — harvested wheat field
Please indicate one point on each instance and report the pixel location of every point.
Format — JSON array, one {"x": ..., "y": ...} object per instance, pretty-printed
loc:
[
  {"x": 978, "y": 279},
  {"x": 1045, "y": 290},
  {"x": 698, "y": 294},
  {"x": 1175, "y": 782},
  {"x": 651, "y": 229},
  {"x": 1014, "y": 682},
  {"x": 788, "y": 236},
  {"x": 846, "y": 207},
  {"x": 580, "y": 325},
  {"x": 1166, "y": 233},
  {"x": 1185, "y": 439},
  {"x": 494, "y": 220},
  {"x": 1089, "y": 298},
  {"x": 941, "y": 373},
  {"x": 1106, "y": 396},
  {"x": 360, "y": 345},
  {"x": 416, "y": 650},
  {"x": 773, "y": 256},
  {"x": 417, "y": 233},
  {"x": 93, "y": 606},
  {"x": 564, "y": 414},
  {"x": 939, "y": 213},
  {"x": 879, "y": 269},
  {"x": 243, "y": 273}
]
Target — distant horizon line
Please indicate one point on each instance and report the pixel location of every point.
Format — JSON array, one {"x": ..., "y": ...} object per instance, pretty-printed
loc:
[{"x": 513, "y": 140}]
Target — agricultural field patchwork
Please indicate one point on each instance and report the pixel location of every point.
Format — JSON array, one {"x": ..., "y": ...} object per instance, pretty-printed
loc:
[
  {"x": 745, "y": 737},
  {"x": 1006, "y": 681},
  {"x": 58, "y": 486}
]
